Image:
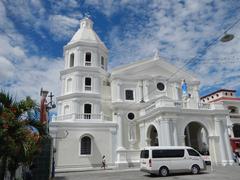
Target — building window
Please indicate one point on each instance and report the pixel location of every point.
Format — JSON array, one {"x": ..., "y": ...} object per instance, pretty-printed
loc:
[
  {"x": 236, "y": 130},
  {"x": 131, "y": 116},
  {"x": 212, "y": 97},
  {"x": 217, "y": 95},
  {"x": 88, "y": 84},
  {"x": 129, "y": 95},
  {"x": 87, "y": 111},
  {"x": 160, "y": 86},
  {"x": 88, "y": 59},
  {"x": 102, "y": 62},
  {"x": 86, "y": 145},
  {"x": 69, "y": 85},
  {"x": 226, "y": 93},
  {"x": 71, "y": 60},
  {"x": 231, "y": 94},
  {"x": 233, "y": 109},
  {"x": 203, "y": 100}
]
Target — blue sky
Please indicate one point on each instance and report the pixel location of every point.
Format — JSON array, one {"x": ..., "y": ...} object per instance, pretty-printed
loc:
[{"x": 33, "y": 33}]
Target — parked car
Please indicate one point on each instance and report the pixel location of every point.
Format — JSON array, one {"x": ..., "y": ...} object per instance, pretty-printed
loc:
[{"x": 162, "y": 160}]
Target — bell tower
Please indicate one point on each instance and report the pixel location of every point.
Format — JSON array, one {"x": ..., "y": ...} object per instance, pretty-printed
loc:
[{"x": 84, "y": 77}]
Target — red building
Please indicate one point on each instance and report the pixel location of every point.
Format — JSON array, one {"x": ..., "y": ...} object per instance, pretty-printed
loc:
[{"x": 232, "y": 103}]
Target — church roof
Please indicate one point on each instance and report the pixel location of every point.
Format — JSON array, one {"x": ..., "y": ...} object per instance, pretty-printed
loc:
[
  {"x": 86, "y": 33},
  {"x": 153, "y": 67}
]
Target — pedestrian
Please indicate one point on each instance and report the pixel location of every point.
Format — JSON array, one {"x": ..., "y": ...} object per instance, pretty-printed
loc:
[
  {"x": 103, "y": 162},
  {"x": 28, "y": 174}
]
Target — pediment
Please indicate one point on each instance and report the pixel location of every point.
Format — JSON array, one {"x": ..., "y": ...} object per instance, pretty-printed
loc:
[{"x": 152, "y": 68}]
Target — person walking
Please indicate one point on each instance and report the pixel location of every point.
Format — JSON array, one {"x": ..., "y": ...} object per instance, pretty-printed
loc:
[{"x": 103, "y": 162}]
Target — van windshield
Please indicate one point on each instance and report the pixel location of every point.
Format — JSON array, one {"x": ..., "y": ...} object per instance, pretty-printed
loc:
[{"x": 144, "y": 154}]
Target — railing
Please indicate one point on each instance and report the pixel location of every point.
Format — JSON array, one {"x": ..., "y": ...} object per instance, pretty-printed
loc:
[
  {"x": 88, "y": 63},
  {"x": 177, "y": 104},
  {"x": 203, "y": 106},
  {"x": 88, "y": 88},
  {"x": 84, "y": 116}
]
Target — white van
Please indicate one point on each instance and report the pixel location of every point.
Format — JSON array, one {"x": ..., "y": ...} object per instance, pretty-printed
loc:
[{"x": 163, "y": 160}]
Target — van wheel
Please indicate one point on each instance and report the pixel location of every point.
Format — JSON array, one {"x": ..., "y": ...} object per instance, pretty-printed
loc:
[
  {"x": 163, "y": 171},
  {"x": 195, "y": 169}
]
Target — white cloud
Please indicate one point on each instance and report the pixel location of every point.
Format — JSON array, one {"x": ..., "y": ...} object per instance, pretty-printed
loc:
[
  {"x": 6, "y": 69},
  {"x": 62, "y": 27}
]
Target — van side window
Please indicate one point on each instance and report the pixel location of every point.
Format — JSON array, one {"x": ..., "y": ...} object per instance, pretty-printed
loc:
[
  {"x": 191, "y": 152},
  {"x": 168, "y": 153},
  {"x": 144, "y": 154}
]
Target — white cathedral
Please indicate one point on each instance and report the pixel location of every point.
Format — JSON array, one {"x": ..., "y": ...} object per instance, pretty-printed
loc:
[{"x": 136, "y": 105}]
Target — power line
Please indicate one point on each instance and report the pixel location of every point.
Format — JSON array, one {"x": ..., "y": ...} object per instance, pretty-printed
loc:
[{"x": 213, "y": 42}]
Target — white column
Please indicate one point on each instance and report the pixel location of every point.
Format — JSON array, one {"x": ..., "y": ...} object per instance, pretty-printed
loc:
[
  {"x": 118, "y": 84},
  {"x": 145, "y": 90},
  {"x": 165, "y": 123},
  {"x": 228, "y": 146},
  {"x": 75, "y": 107},
  {"x": 77, "y": 81},
  {"x": 120, "y": 133},
  {"x": 63, "y": 86},
  {"x": 181, "y": 139},
  {"x": 132, "y": 134},
  {"x": 175, "y": 136},
  {"x": 140, "y": 91},
  {"x": 222, "y": 149},
  {"x": 77, "y": 59},
  {"x": 142, "y": 136}
]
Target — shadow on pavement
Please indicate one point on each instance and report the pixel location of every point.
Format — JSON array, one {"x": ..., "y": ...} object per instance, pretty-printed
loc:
[
  {"x": 176, "y": 174},
  {"x": 60, "y": 178}
]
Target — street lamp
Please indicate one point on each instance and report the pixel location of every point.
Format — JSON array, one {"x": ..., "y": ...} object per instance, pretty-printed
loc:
[{"x": 227, "y": 37}]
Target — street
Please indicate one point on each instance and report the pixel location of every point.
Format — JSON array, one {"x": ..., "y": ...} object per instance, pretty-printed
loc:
[{"x": 218, "y": 173}]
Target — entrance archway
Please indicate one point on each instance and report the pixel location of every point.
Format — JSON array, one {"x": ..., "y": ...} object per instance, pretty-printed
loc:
[
  {"x": 196, "y": 136},
  {"x": 152, "y": 136}
]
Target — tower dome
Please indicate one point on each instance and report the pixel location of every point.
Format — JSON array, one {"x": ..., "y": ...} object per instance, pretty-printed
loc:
[{"x": 86, "y": 33}]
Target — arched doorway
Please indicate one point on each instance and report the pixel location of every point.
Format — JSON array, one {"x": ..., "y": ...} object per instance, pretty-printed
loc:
[
  {"x": 152, "y": 136},
  {"x": 196, "y": 136}
]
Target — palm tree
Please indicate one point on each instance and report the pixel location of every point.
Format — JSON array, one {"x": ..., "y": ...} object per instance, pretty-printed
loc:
[{"x": 20, "y": 133}]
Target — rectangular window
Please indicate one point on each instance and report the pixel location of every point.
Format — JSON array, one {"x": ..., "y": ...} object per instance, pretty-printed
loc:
[
  {"x": 144, "y": 154},
  {"x": 88, "y": 59},
  {"x": 102, "y": 62},
  {"x": 88, "y": 84},
  {"x": 129, "y": 95},
  {"x": 168, "y": 153}
]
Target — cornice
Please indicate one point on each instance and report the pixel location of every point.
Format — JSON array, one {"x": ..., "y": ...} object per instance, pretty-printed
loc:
[{"x": 79, "y": 95}]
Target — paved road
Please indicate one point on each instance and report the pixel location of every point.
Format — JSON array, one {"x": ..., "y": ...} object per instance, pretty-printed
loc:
[{"x": 218, "y": 173}]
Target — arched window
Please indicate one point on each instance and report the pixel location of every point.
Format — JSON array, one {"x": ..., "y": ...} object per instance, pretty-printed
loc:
[
  {"x": 88, "y": 84},
  {"x": 86, "y": 145},
  {"x": 71, "y": 60},
  {"x": 88, "y": 59},
  {"x": 87, "y": 111},
  {"x": 102, "y": 62},
  {"x": 69, "y": 85}
]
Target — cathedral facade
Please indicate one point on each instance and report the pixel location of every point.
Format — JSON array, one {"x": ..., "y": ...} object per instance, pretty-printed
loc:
[{"x": 136, "y": 105}]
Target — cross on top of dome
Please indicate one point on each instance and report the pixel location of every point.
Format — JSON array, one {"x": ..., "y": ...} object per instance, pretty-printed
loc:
[{"x": 86, "y": 23}]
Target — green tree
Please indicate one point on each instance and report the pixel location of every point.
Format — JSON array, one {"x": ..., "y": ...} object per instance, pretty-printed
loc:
[{"x": 20, "y": 133}]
